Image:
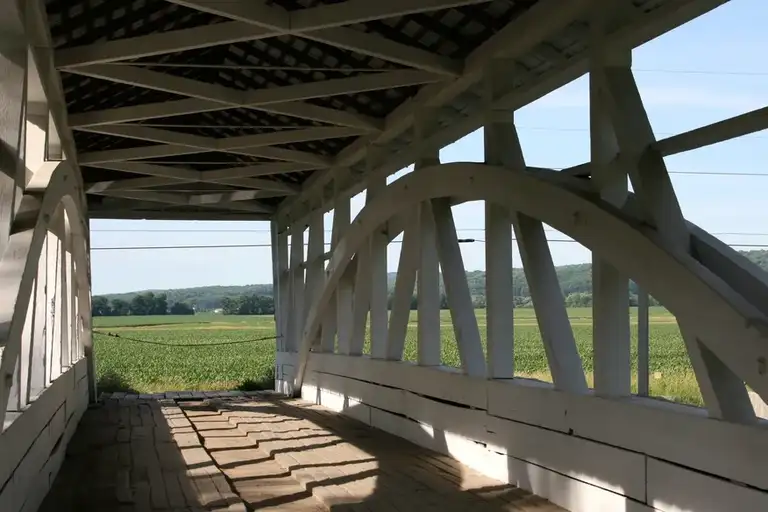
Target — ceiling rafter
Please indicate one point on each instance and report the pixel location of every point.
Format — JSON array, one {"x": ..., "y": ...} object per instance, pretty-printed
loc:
[
  {"x": 206, "y": 97},
  {"x": 244, "y": 177},
  {"x": 183, "y": 200},
  {"x": 255, "y": 21}
]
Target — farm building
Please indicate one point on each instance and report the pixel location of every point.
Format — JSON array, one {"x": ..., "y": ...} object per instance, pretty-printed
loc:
[{"x": 281, "y": 111}]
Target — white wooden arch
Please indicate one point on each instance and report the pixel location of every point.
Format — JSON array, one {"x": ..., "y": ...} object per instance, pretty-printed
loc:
[
  {"x": 735, "y": 330},
  {"x": 19, "y": 266}
]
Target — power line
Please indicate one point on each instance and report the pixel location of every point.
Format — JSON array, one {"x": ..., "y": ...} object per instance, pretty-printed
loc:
[
  {"x": 731, "y": 233},
  {"x": 252, "y": 246}
]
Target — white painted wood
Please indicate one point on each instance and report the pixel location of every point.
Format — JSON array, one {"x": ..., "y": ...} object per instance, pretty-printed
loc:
[
  {"x": 370, "y": 44},
  {"x": 647, "y": 171},
  {"x": 457, "y": 290},
  {"x": 677, "y": 281},
  {"x": 13, "y": 82},
  {"x": 63, "y": 295},
  {"x": 378, "y": 275},
  {"x": 441, "y": 382},
  {"x": 54, "y": 304},
  {"x": 194, "y": 105},
  {"x": 436, "y": 431},
  {"x": 345, "y": 289},
  {"x": 714, "y": 133},
  {"x": 724, "y": 394},
  {"x": 404, "y": 289},
  {"x": 551, "y": 315},
  {"x": 675, "y": 489},
  {"x": 643, "y": 342},
  {"x": 277, "y": 298},
  {"x": 519, "y": 36},
  {"x": 296, "y": 321},
  {"x": 428, "y": 290},
  {"x": 362, "y": 299},
  {"x": 315, "y": 264},
  {"x": 159, "y": 43},
  {"x": 37, "y": 356},
  {"x": 610, "y": 290},
  {"x": 672, "y": 432},
  {"x": 133, "y": 75},
  {"x": 502, "y": 147}
]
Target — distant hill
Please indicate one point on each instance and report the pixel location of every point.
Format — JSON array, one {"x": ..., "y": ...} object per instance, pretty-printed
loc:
[{"x": 575, "y": 281}]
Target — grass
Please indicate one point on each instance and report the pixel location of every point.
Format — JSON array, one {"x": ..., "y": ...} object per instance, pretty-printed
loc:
[{"x": 200, "y": 365}]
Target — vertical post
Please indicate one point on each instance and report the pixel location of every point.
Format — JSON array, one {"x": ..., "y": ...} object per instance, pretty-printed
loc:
[
  {"x": 297, "y": 288},
  {"x": 362, "y": 295},
  {"x": 54, "y": 299},
  {"x": 378, "y": 269},
  {"x": 610, "y": 290},
  {"x": 501, "y": 148},
  {"x": 428, "y": 284},
  {"x": 724, "y": 393},
  {"x": 315, "y": 264},
  {"x": 276, "y": 279},
  {"x": 66, "y": 291},
  {"x": 643, "y": 345},
  {"x": 345, "y": 286}
]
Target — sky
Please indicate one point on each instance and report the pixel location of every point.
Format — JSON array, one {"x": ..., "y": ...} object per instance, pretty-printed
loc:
[{"x": 710, "y": 69}]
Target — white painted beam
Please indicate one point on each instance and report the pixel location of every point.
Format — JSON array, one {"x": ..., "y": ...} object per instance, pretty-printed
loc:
[
  {"x": 159, "y": 43},
  {"x": 714, "y": 133},
  {"x": 643, "y": 343},
  {"x": 502, "y": 147},
  {"x": 610, "y": 290},
  {"x": 180, "y": 200},
  {"x": 724, "y": 393},
  {"x": 256, "y": 12},
  {"x": 296, "y": 320},
  {"x": 428, "y": 290},
  {"x": 315, "y": 265},
  {"x": 378, "y": 276},
  {"x": 351, "y": 85},
  {"x": 457, "y": 290},
  {"x": 345, "y": 288},
  {"x": 551, "y": 315},
  {"x": 404, "y": 288},
  {"x": 376, "y": 46},
  {"x": 360, "y": 11},
  {"x": 428, "y": 285},
  {"x": 13, "y": 96}
]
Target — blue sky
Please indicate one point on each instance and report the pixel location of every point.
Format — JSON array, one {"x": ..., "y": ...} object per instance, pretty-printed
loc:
[{"x": 708, "y": 70}]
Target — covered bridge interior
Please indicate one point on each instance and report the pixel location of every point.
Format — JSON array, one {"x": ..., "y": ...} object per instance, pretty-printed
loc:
[{"x": 282, "y": 110}]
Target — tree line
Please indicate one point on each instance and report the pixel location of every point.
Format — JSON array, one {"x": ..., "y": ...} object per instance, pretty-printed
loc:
[
  {"x": 142, "y": 304},
  {"x": 575, "y": 283}
]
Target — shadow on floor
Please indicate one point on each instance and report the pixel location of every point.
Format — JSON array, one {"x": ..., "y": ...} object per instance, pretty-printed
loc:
[{"x": 259, "y": 453}]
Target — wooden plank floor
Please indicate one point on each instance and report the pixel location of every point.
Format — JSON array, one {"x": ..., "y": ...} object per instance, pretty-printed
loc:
[{"x": 259, "y": 452}]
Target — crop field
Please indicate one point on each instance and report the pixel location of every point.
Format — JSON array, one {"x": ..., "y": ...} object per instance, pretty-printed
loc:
[{"x": 211, "y": 352}]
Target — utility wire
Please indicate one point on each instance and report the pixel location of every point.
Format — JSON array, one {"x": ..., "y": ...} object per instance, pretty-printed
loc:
[
  {"x": 734, "y": 233},
  {"x": 250, "y": 246},
  {"x": 137, "y": 340}
]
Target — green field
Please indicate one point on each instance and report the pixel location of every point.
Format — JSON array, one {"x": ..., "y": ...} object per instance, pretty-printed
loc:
[{"x": 194, "y": 352}]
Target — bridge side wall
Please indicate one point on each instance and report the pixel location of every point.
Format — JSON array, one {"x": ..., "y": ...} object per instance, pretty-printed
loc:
[
  {"x": 34, "y": 444},
  {"x": 583, "y": 453}
]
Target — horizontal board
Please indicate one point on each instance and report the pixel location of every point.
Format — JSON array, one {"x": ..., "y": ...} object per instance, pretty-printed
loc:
[
  {"x": 440, "y": 382},
  {"x": 680, "y": 434},
  {"x": 566, "y": 492},
  {"x": 610, "y": 468},
  {"x": 675, "y": 489},
  {"x": 336, "y": 402},
  {"x": 19, "y": 436}
]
